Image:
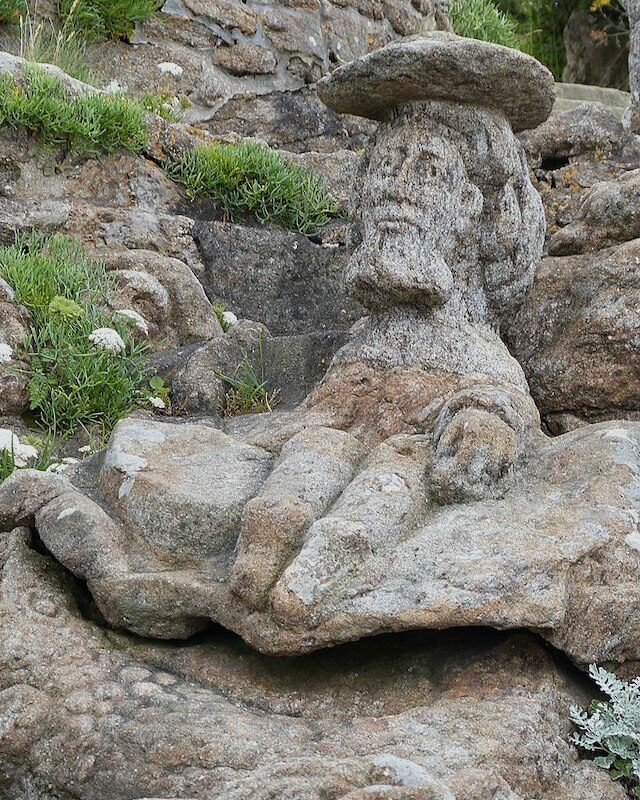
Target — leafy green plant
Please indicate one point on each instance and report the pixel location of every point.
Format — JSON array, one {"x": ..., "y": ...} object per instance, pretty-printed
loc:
[
  {"x": 158, "y": 396},
  {"x": 11, "y": 11},
  {"x": 246, "y": 392},
  {"x": 73, "y": 382},
  {"x": 482, "y": 19},
  {"x": 219, "y": 311},
  {"x": 251, "y": 177},
  {"x": 106, "y": 19},
  {"x": 611, "y": 729},
  {"x": 87, "y": 122}
]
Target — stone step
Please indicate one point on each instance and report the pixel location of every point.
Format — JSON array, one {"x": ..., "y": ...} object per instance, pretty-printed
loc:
[{"x": 571, "y": 95}]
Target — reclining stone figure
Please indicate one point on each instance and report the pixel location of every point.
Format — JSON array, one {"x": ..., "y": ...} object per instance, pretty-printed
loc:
[{"x": 349, "y": 515}]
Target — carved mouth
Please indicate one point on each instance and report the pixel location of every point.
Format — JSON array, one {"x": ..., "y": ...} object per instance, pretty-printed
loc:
[{"x": 395, "y": 225}]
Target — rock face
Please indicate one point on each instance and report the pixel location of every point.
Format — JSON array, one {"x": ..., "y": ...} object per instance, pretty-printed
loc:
[
  {"x": 412, "y": 489},
  {"x": 576, "y": 333},
  {"x": 275, "y": 276},
  {"x": 88, "y": 714},
  {"x": 247, "y": 69}
]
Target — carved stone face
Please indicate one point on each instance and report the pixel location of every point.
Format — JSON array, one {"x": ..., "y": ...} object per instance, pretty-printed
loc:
[{"x": 443, "y": 201}]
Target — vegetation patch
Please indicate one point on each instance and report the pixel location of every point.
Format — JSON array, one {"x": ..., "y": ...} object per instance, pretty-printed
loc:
[
  {"x": 105, "y": 19},
  {"x": 86, "y": 123},
  {"x": 610, "y": 730},
  {"x": 44, "y": 42},
  {"x": 85, "y": 369},
  {"x": 246, "y": 390},
  {"x": 250, "y": 177},
  {"x": 482, "y": 19},
  {"x": 11, "y": 11}
]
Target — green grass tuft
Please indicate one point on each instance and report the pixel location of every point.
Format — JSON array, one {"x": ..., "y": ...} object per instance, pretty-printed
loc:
[
  {"x": 44, "y": 42},
  {"x": 246, "y": 391},
  {"x": 250, "y": 177},
  {"x": 72, "y": 382},
  {"x": 86, "y": 123},
  {"x": 106, "y": 19}
]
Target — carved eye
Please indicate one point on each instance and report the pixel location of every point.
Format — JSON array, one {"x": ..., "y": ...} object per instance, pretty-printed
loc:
[{"x": 390, "y": 161}]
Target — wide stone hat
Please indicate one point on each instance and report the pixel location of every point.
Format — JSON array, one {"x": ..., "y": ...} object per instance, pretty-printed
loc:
[{"x": 443, "y": 66}]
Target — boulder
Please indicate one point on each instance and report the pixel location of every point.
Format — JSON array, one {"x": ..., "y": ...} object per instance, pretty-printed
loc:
[
  {"x": 374, "y": 552},
  {"x": 166, "y": 293},
  {"x": 91, "y": 714},
  {"x": 576, "y": 335}
]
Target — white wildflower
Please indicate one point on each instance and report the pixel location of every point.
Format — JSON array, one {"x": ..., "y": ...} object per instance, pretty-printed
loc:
[
  {"x": 229, "y": 319},
  {"x": 10, "y": 443},
  {"x": 107, "y": 339},
  {"x": 171, "y": 68},
  {"x": 6, "y": 353},
  {"x": 132, "y": 316},
  {"x": 115, "y": 88},
  {"x": 85, "y": 449},
  {"x": 157, "y": 402}
]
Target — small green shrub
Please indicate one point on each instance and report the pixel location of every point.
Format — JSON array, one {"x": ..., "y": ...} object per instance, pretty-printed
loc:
[
  {"x": 105, "y": 19},
  {"x": 246, "y": 392},
  {"x": 11, "y": 11},
  {"x": 482, "y": 19},
  {"x": 86, "y": 123},
  {"x": 250, "y": 177},
  {"x": 73, "y": 381},
  {"x": 611, "y": 730}
]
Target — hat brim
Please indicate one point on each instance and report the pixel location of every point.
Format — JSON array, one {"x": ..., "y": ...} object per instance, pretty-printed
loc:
[{"x": 443, "y": 66}]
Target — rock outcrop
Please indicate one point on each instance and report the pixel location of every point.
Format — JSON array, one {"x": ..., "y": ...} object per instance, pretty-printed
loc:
[
  {"x": 356, "y": 513},
  {"x": 89, "y": 714}
]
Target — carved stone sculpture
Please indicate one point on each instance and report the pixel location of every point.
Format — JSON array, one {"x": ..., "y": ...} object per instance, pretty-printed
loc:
[{"x": 413, "y": 487}]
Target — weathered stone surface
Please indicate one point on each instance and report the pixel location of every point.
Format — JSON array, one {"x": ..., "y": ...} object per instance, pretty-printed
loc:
[
  {"x": 574, "y": 150},
  {"x": 295, "y": 120},
  {"x": 577, "y": 131},
  {"x": 275, "y": 49},
  {"x": 576, "y": 335},
  {"x": 225, "y": 13},
  {"x": 290, "y": 365},
  {"x": 92, "y": 715},
  {"x": 381, "y": 558},
  {"x": 571, "y": 95},
  {"x": 167, "y": 295},
  {"x": 442, "y": 66},
  {"x": 593, "y": 57},
  {"x": 609, "y": 214},
  {"x": 245, "y": 59},
  {"x": 275, "y": 276}
]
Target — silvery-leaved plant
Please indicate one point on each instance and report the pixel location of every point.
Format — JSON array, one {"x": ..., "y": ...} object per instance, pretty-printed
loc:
[{"x": 612, "y": 729}]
